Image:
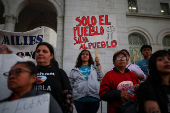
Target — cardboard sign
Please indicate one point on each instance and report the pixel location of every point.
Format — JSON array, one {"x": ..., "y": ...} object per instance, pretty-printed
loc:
[
  {"x": 36, "y": 104},
  {"x": 22, "y": 43},
  {"x": 94, "y": 32}
]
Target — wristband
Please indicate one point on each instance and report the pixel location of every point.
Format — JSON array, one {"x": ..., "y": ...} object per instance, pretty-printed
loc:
[{"x": 98, "y": 64}]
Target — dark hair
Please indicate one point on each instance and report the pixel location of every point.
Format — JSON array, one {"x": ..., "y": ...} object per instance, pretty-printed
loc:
[
  {"x": 118, "y": 53},
  {"x": 126, "y": 51},
  {"x": 53, "y": 62},
  {"x": 79, "y": 61},
  {"x": 30, "y": 65},
  {"x": 156, "y": 80},
  {"x": 145, "y": 46}
]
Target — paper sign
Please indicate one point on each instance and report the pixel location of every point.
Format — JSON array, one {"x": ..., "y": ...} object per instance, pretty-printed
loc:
[
  {"x": 98, "y": 31},
  {"x": 36, "y": 104}
]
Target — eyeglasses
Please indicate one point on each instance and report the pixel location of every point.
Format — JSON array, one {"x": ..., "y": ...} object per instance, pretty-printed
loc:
[
  {"x": 2, "y": 48},
  {"x": 120, "y": 58},
  {"x": 15, "y": 72}
]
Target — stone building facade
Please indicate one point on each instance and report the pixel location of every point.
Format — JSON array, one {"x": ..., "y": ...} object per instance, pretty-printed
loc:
[{"x": 138, "y": 22}]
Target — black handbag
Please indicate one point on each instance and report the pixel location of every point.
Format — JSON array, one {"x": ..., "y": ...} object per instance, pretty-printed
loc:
[{"x": 130, "y": 106}]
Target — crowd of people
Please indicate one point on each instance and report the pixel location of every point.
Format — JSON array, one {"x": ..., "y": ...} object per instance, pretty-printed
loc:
[{"x": 145, "y": 84}]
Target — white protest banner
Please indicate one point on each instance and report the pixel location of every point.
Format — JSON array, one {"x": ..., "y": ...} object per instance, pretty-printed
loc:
[
  {"x": 36, "y": 104},
  {"x": 22, "y": 43},
  {"x": 6, "y": 62},
  {"x": 94, "y": 32}
]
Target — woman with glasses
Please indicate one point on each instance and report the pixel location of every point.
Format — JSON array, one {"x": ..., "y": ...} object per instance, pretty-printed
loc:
[
  {"x": 133, "y": 67},
  {"x": 21, "y": 78},
  {"x": 51, "y": 78},
  {"x": 154, "y": 94},
  {"x": 118, "y": 84},
  {"x": 85, "y": 80}
]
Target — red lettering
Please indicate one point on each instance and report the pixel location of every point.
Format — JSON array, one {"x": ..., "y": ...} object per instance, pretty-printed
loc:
[
  {"x": 103, "y": 45},
  {"x": 106, "y": 20},
  {"x": 84, "y": 19},
  {"x": 113, "y": 43},
  {"x": 93, "y": 20},
  {"x": 94, "y": 45},
  {"x": 101, "y": 19},
  {"x": 89, "y": 45},
  {"x": 79, "y": 31},
  {"x": 101, "y": 30},
  {"x": 85, "y": 47},
  {"x": 79, "y": 40},
  {"x": 75, "y": 28},
  {"x": 86, "y": 39},
  {"x": 98, "y": 46},
  {"x": 91, "y": 31},
  {"x": 78, "y": 20},
  {"x": 85, "y": 31},
  {"x": 108, "y": 45},
  {"x": 75, "y": 40},
  {"x": 97, "y": 31},
  {"x": 81, "y": 47}
]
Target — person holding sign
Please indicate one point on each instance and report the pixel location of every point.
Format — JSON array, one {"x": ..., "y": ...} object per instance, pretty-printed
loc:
[
  {"x": 51, "y": 78},
  {"x": 85, "y": 80},
  {"x": 118, "y": 85},
  {"x": 21, "y": 78}
]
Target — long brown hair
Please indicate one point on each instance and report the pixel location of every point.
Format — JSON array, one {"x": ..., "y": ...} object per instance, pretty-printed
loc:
[{"x": 79, "y": 60}]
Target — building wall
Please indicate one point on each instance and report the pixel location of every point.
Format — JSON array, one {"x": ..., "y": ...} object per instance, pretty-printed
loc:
[
  {"x": 74, "y": 8},
  {"x": 149, "y": 21}
]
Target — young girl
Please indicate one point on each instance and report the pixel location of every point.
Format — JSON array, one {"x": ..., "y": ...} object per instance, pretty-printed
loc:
[
  {"x": 154, "y": 94},
  {"x": 85, "y": 80}
]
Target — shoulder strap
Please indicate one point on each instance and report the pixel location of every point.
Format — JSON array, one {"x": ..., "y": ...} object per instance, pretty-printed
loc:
[{"x": 128, "y": 65}]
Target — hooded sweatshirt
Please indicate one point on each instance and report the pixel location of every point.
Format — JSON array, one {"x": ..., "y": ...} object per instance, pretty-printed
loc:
[{"x": 82, "y": 87}]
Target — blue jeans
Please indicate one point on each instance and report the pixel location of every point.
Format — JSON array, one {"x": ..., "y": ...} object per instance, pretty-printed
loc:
[{"x": 87, "y": 107}]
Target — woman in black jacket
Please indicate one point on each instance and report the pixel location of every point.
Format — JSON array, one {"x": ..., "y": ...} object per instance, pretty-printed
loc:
[
  {"x": 51, "y": 78},
  {"x": 154, "y": 94}
]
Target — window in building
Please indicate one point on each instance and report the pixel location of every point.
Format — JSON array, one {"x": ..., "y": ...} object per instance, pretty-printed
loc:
[
  {"x": 135, "y": 43},
  {"x": 164, "y": 8},
  {"x": 166, "y": 42},
  {"x": 132, "y": 4}
]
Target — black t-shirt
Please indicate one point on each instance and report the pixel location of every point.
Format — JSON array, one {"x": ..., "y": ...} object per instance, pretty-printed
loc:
[
  {"x": 53, "y": 80},
  {"x": 146, "y": 91}
]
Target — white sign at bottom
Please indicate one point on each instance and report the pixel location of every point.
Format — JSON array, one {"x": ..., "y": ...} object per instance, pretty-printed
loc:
[{"x": 36, "y": 104}]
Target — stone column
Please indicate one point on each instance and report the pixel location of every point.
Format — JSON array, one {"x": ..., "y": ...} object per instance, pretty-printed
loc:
[
  {"x": 60, "y": 40},
  {"x": 10, "y": 21}
]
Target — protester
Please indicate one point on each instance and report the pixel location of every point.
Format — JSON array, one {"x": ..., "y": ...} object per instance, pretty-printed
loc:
[
  {"x": 133, "y": 67},
  {"x": 52, "y": 79},
  {"x": 85, "y": 80},
  {"x": 4, "y": 50},
  {"x": 154, "y": 94},
  {"x": 146, "y": 51},
  {"x": 117, "y": 83},
  {"x": 21, "y": 78}
]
